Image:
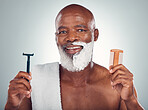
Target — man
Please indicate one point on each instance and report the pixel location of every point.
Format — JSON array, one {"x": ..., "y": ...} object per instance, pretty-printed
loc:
[{"x": 84, "y": 85}]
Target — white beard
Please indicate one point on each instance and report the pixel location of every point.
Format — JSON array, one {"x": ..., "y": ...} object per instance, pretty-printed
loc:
[{"x": 79, "y": 60}]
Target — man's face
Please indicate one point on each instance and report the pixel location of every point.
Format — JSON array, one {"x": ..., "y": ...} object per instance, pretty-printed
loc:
[
  {"x": 73, "y": 27},
  {"x": 75, "y": 38}
]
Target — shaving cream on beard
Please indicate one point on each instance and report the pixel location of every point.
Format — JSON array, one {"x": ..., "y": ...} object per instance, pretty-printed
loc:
[{"x": 79, "y": 60}]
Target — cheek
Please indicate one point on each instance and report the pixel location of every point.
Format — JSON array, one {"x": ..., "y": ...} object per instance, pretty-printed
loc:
[
  {"x": 60, "y": 40},
  {"x": 87, "y": 38}
]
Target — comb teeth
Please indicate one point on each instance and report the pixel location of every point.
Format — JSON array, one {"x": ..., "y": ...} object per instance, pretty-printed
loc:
[{"x": 116, "y": 57}]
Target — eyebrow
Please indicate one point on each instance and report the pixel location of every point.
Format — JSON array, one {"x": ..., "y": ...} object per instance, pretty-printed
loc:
[
  {"x": 62, "y": 27},
  {"x": 81, "y": 26}
]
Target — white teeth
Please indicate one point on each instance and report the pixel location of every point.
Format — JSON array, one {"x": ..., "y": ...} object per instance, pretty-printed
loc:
[{"x": 73, "y": 47}]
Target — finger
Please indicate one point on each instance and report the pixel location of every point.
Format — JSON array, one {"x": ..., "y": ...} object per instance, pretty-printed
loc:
[
  {"x": 28, "y": 96},
  {"x": 13, "y": 91},
  {"x": 30, "y": 74},
  {"x": 17, "y": 91},
  {"x": 122, "y": 76},
  {"x": 14, "y": 84},
  {"x": 120, "y": 72},
  {"x": 116, "y": 73},
  {"x": 124, "y": 82},
  {"x": 110, "y": 67},
  {"x": 25, "y": 75},
  {"x": 22, "y": 81},
  {"x": 118, "y": 67}
]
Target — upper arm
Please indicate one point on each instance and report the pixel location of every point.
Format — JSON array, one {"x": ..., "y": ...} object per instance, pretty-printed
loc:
[{"x": 26, "y": 104}]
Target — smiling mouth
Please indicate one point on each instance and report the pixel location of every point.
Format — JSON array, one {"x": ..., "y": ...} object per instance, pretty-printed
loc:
[{"x": 73, "y": 49}]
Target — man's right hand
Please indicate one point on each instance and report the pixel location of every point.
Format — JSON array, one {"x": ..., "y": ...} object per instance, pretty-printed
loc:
[{"x": 19, "y": 88}]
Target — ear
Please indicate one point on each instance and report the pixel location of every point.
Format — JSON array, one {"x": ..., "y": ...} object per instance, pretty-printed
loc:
[
  {"x": 56, "y": 39},
  {"x": 96, "y": 34}
]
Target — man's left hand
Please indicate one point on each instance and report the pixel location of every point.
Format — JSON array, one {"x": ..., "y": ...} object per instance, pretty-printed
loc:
[{"x": 122, "y": 81}]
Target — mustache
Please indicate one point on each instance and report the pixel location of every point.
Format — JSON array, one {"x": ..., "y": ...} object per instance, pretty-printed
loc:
[{"x": 82, "y": 44}]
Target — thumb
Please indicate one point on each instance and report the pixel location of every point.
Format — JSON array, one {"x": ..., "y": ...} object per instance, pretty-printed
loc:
[{"x": 110, "y": 67}]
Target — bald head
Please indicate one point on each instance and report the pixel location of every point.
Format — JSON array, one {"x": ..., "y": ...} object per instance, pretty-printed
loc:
[
  {"x": 75, "y": 36},
  {"x": 76, "y": 10}
]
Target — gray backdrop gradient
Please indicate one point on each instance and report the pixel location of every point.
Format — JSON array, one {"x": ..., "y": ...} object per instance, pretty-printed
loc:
[{"x": 28, "y": 26}]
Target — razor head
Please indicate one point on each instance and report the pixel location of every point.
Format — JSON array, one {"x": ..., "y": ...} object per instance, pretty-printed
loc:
[{"x": 26, "y": 54}]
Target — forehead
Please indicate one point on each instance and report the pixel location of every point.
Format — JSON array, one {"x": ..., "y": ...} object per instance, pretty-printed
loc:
[{"x": 72, "y": 19}]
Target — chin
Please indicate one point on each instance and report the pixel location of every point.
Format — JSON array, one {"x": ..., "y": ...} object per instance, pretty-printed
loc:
[{"x": 78, "y": 61}]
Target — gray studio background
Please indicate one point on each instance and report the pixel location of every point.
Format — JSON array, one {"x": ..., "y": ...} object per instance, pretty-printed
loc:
[{"x": 28, "y": 26}]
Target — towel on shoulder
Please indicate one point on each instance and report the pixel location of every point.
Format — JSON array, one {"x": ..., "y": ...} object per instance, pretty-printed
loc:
[{"x": 46, "y": 87}]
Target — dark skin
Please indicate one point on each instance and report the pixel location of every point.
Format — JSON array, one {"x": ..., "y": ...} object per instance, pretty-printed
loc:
[
  {"x": 95, "y": 87},
  {"x": 91, "y": 91}
]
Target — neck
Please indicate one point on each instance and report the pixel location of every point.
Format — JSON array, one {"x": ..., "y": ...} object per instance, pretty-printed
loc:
[{"x": 77, "y": 78}]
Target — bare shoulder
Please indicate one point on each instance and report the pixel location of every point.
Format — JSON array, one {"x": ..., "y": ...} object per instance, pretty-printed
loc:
[
  {"x": 100, "y": 68},
  {"x": 101, "y": 73}
]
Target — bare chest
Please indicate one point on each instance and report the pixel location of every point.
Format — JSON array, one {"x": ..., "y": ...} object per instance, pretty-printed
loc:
[{"x": 89, "y": 98}]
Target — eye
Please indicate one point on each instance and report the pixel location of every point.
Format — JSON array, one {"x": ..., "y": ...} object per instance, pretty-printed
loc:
[
  {"x": 81, "y": 30},
  {"x": 63, "y": 32}
]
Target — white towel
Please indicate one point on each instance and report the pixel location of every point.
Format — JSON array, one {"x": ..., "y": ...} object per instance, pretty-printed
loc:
[{"x": 46, "y": 87}]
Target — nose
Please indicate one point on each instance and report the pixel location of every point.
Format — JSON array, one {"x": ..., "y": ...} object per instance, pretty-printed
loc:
[{"x": 72, "y": 37}]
